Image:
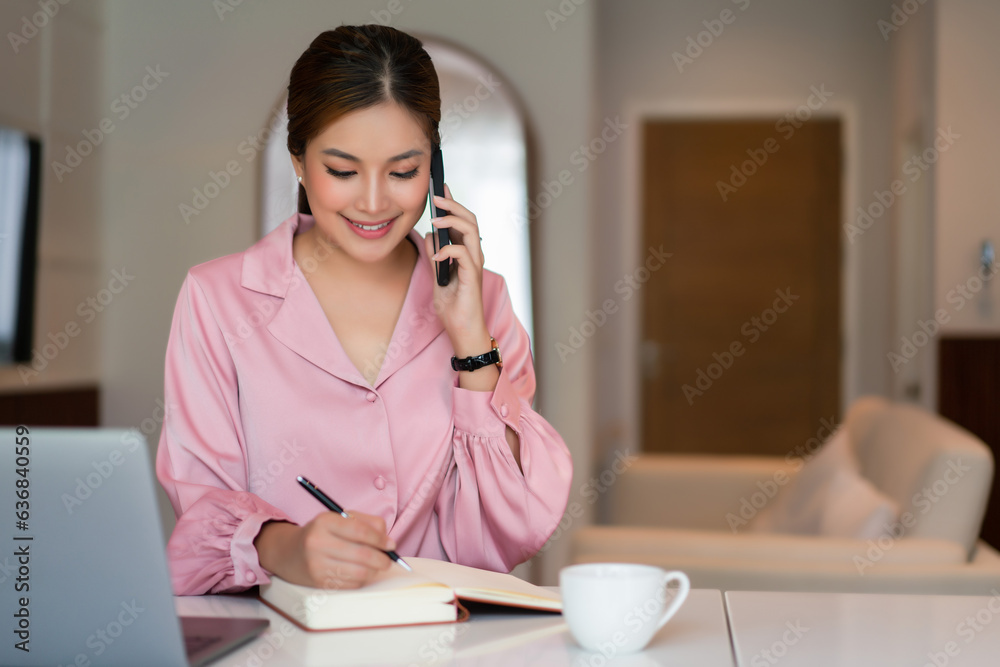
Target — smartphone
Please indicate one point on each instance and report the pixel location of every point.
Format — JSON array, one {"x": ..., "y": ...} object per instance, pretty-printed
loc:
[{"x": 440, "y": 236}]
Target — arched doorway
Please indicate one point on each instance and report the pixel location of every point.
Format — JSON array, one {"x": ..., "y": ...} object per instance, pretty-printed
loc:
[{"x": 483, "y": 141}]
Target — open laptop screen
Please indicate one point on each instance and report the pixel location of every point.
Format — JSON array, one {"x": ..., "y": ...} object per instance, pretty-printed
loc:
[{"x": 83, "y": 570}]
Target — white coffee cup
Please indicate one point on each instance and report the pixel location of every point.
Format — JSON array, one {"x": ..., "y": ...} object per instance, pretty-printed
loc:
[{"x": 616, "y": 608}]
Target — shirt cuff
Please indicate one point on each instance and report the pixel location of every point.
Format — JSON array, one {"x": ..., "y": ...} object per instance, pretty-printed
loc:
[
  {"x": 487, "y": 413},
  {"x": 247, "y": 569}
]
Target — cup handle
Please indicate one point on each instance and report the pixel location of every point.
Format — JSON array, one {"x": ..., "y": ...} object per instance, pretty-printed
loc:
[{"x": 682, "y": 593}]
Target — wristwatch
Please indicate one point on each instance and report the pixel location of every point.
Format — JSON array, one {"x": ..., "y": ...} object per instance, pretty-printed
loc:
[{"x": 474, "y": 363}]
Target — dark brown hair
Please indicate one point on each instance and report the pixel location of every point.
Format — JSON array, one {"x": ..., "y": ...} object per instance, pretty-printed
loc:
[{"x": 353, "y": 68}]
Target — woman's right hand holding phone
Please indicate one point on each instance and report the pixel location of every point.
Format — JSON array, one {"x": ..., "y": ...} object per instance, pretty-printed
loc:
[{"x": 328, "y": 552}]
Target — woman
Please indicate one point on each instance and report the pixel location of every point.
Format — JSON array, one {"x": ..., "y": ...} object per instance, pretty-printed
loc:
[{"x": 325, "y": 349}]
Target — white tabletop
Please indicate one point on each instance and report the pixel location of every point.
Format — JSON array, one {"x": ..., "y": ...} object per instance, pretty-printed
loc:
[
  {"x": 697, "y": 635},
  {"x": 858, "y": 629}
]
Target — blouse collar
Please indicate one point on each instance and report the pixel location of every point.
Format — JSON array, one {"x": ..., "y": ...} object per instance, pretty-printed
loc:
[{"x": 300, "y": 323}]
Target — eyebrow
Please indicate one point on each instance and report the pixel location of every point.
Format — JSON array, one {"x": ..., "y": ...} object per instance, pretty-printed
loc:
[{"x": 348, "y": 156}]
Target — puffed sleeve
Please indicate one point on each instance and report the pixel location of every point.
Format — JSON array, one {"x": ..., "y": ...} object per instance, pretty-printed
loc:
[
  {"x": 201, "y": 459},
  {"x": 491, "y": 514}
]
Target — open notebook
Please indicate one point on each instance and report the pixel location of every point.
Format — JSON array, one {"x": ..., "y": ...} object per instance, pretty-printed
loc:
[{"x": 397, "y": 597}]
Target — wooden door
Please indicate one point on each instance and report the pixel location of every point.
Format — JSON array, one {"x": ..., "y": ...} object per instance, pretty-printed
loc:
[
  {"x": 968, "y": 394},
  {"x": 741, "y": 325}
]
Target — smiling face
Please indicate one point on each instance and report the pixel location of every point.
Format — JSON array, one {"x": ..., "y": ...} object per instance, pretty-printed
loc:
[{"x": 366, "y": 176}]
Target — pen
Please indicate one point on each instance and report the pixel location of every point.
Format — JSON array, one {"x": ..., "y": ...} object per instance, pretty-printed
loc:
[{"x": 329, "y": 503}]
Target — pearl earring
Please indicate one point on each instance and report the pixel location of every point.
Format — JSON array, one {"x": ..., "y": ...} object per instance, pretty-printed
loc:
[{"x": 300, "y": 179}]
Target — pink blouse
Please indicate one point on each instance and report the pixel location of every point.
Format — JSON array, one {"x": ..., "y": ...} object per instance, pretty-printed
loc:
[{"x": 259, "y": 390}]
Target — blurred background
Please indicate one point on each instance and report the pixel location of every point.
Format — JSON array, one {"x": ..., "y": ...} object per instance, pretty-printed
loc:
[{"x": 722, "y": 221}]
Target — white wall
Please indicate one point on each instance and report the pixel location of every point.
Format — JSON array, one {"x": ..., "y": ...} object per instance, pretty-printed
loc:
[
  {"x": 914, "y": 377},
  {"x": 763, "y": 62},
  {"x": 224, "y": 76},
  {"x": 967, "y": 209},
  {"x": 52, "y": 88},
  {"x": 945, "y": 77}
]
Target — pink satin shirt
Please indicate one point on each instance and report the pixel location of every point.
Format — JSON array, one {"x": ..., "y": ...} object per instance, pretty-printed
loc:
[{"x": 259, "y": 390}]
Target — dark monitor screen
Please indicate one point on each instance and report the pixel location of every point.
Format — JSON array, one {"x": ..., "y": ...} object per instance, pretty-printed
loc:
[{"x": 20, "y": 177}]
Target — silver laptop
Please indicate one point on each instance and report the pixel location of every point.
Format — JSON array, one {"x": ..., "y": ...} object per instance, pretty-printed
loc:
[{"x": 83, "y": 568}]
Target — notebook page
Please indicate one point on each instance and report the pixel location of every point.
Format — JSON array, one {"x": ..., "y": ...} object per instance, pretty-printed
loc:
[{"x": 483, "y": 585}]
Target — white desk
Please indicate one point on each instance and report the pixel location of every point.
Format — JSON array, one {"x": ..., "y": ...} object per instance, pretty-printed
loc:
[
  {"x": 857, "y": 630},
  {"x": 698, "y": 635}
]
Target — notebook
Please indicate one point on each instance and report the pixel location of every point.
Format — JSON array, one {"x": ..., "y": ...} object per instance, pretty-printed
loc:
[
  {"x": 429, "y": 594},
  {"x": 83, "y": 568}
]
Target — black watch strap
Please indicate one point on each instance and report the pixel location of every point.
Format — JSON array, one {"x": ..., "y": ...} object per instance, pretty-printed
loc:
[{"x": 477, "y": 362}]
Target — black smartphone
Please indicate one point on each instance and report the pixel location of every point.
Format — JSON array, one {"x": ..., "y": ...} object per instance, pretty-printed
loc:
[{"x": 440, "y": 236}]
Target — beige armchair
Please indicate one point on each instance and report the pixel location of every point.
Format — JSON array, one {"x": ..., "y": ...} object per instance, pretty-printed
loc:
[{"x": 695, "y": 513}]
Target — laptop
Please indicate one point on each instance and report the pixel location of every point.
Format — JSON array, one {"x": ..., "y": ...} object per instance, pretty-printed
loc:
[{"x": 83, "y": 567}]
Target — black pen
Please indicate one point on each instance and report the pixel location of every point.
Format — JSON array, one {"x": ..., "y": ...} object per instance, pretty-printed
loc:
[{"x": 329, "y": 503}]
